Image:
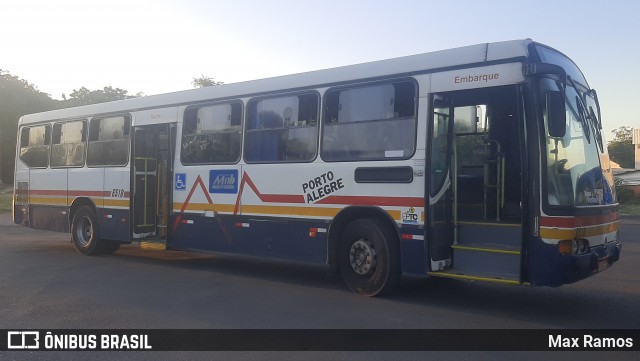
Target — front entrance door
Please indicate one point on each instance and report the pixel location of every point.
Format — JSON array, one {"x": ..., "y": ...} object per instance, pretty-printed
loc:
[
  {"x": 440, "y": 235},
  {"x": 476, "y": 185}
]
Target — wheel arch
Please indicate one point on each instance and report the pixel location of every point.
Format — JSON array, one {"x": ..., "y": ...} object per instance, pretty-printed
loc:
[
  {"x": 346, "y": 216},
  {"x": 80, "y": 202}
]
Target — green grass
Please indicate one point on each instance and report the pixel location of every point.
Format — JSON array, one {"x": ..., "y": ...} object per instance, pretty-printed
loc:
[{"x": 6, "y": 196}]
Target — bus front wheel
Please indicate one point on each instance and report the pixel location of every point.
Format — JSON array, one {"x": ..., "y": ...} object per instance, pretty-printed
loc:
[
  {"x": 84, "y": 231},
  {"x": 368, "y": 257}
]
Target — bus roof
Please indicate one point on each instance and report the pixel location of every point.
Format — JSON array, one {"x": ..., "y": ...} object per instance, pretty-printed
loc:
[{"x": 407, "y": 65}]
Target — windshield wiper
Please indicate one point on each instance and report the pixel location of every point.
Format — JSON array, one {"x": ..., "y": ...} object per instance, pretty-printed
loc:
[{"x": 587, "y": 116}]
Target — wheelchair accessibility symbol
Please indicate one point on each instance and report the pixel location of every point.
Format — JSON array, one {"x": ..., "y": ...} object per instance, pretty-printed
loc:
[{"x": 181, "y": 181}]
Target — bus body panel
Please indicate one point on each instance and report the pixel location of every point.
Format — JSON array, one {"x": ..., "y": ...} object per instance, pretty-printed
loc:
[
  {"x": 604, "y": 248},
  {"x": 21, "y": 189},
  {"x": 564, "y": 269},
  {"x": 48, "y": 199},
  {"x": 479, "y": 77},
  {"x": 293, "y": 239},
  {"x": 154, "y": 116},
  {"x": 115, "y": 210},
  {"x": 269, "y": 207}
]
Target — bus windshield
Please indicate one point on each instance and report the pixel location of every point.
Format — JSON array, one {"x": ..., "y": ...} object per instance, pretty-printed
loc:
[
  {"x": 578, "y": 171},
  {"x": 577, "y": 168}
]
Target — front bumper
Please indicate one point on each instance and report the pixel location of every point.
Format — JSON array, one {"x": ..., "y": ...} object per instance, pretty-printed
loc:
[{"x": 554, "y": 269}]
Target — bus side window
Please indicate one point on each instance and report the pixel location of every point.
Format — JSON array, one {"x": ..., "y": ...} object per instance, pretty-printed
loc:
[
  {"x": 212, "y": 134},
  {"x": 109, "y": 141},
  {"x": 283, "y": 129},
  {"x": 34, "y": 146},
  {"x": 68, "y": 144},
  {"x": 375, "y": 122}
]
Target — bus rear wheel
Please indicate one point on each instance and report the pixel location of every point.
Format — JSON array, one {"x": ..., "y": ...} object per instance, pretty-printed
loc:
[
  {"x": 368, "y": 257},
  {"x": 84, "y": 231}
]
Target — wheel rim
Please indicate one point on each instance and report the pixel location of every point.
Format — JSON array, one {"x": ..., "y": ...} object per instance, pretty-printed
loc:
[
  {"x": 362, "y": 257},
  {"x": 84, "y": 232}
]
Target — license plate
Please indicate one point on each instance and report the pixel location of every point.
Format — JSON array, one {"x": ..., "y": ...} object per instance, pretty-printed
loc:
[{"x": 603, "y": 264}]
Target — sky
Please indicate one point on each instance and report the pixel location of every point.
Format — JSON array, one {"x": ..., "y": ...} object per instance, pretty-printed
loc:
[{"x": 159, "y": 46}]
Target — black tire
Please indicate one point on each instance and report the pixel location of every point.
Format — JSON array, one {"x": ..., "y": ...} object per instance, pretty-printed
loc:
[
  {"x": 369, "y": 257},
  {"x": 85, "y": 231}
]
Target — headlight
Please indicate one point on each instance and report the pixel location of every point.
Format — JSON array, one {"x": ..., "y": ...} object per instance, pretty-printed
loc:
[
  {"x": 566, "y": 247},
  {"x": 582, "y": 246},
  {"x": 573, "y": 246}
]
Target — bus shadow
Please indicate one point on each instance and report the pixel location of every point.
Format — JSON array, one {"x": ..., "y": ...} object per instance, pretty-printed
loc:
[
  {"x": 258, "y": 268},
  {"x": 569, "y": 306}
]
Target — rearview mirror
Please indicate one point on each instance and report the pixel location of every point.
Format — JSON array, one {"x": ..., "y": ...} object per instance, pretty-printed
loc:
[{"x": 556, "y": 115}]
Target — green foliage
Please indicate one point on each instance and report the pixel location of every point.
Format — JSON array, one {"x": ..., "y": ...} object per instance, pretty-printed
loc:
[
  {"x": 6, "y": 198},
  {"x": 84, "y": 96},
  {"x": 621, "y": 147},
  {"x": 626, "y": 195},
  {"x": 204, "y": 81},
  {"x": 17, "y": 98}
]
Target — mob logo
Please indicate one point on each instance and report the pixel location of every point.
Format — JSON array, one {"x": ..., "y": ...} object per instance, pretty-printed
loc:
[{"x": 223, "y": 181}]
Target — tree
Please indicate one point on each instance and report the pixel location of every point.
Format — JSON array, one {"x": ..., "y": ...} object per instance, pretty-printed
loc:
[
  {"x": 17, "y": 98},
  {"x": 621, "y": 148},
  {"x": 204, "y": 81},
  {"x": 84, "y": 96}
]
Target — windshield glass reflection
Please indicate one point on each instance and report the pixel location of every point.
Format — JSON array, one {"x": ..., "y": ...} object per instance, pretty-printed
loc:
[{"x": 575, "y": 176}]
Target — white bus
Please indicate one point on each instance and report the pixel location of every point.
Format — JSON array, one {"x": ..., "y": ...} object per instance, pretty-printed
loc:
[{"x": 483, "y": 163}]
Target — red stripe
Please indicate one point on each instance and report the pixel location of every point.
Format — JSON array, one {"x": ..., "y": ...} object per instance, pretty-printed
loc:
[
  {"x": 265, "y": 198},
  {"x": 281, "y": 198},
  {"x": 49, "y": 192},
  {"x": 572, "y": 222},
  {"x": 340, "y": 200},
  {"x": 374, "y": 201}
]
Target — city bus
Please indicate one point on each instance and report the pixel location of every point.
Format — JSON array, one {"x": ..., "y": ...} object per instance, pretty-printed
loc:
[{"x": 482, "y": 163}]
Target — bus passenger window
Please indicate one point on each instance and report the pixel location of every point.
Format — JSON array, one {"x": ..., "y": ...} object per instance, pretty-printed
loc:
[
  {"x": 68, "y": 144},
  {"x": 370, "y": 123},
  {"x": 109, "y": 141},
  {"x": 283, "y": 129},
  {"x": 34, "y": 146},
  {"x": 212, "y": 134}
]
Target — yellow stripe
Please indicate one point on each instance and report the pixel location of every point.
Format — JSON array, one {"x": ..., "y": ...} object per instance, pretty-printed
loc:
[
  {"x": 271, "y": 210},
  {"x": 514, "y": 225},
  {"x": 397, "y": 215},
  {"x": 63, "y": 201},
  {"x": 48, "y": 200},
  {"x": 116, "y": 203},
  {"x": 158, "y": 246},
  {"x": 227, "y": 208},
  {"x": 571, "y": 233},
  {"x": 490, "y": 250},
  {"x": 474, "y": 278}
]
